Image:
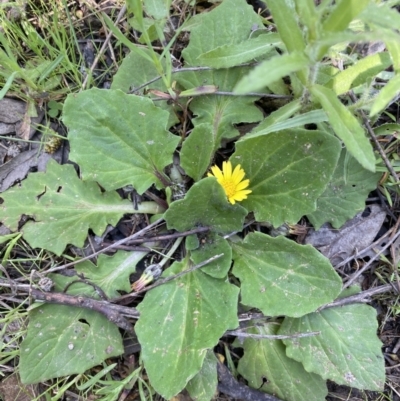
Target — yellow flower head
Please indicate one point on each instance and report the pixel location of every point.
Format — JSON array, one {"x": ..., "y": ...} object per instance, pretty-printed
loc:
[{"x": 232, "y": 182}]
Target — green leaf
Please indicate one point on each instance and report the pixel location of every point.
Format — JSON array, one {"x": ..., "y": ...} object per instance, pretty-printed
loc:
[
  {"x": 284, "y": 16},
  {"x": 228, "y": 24},
  {"x": 272, "y": 70},
  {"x": 280, "y": 277},
  {"x": 387, "y": 93},
  {"x": 365, "y": 69},
  {"x": 345, "y": 194},
  {"x": 287, "y": 378},
  {"x": 288, "y": 171},
  {"x": 157, "y": 8},
  {"x": 381, "y": 15},
  {"x": 132, "y": 126},
  {"x": 63, "y": 208},
  {"x": 136, "y": 70},
  {"x": 346, "y": 127},
  {"x": 63, "y": 340},
  {"x": 112, "y": 272},
  {"x": 198, "y": 150},
  {"x": 311, "y": 117},
  {"x": 204, "y": 385},
  {"x": 211, "y": 245},
  {"x": 343, "y": 13},
  {"x": 227, "y": 56},
  {"x": 179, "y": 321},
  {"x": 347, "y": 351},
  {"x": 222, "y": 112},
  {"x": 205, "y": 204}
]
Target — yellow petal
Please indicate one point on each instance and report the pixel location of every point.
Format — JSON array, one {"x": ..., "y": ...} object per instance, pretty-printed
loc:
[{"x": 227, "y": 169}]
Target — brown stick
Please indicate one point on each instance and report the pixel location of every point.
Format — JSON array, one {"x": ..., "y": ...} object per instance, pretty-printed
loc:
[{"x": 112, "y": 312}]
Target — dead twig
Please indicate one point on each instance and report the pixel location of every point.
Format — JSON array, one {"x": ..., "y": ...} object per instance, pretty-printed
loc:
[{"x": 107, "y": 309}]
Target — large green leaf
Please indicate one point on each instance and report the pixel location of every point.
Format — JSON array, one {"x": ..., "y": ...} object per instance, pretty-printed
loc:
[
  {"x": 229, "y": 24},
  {"x": 271, "y": 71},
  {"x": 345, "y": 194},
  {"x": 347, "y": 351},
  {"x": 64, "y": 340},
  {"x": 62, "y": 207},
  {"x": 205, "y": 204},
  {"x": 179, "y": 321},
  {"x": 280, "y": 277},
  {"x": 287, "y": 379},
  {"x": 204, "y": 385},
  {"x": 288, "y": 171},
  {"x": 346, "y": 126},
  {"x": 118, "y": 139},
  {"x": 136, "y": 70},
  {"x": 230, "y": 55}
]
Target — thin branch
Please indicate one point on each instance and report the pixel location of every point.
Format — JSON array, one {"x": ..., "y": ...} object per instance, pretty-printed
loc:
[
  {"x": 185, "y": 69},
  {"x": 362, "y": 297},
  {"x": 368, "y": 264},
  {"x": 103, "y": 307},
  {"x": 112, "y": 246}
]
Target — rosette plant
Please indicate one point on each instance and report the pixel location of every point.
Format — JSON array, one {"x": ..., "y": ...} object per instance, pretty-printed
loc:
[{"x": 294, "y": 163}]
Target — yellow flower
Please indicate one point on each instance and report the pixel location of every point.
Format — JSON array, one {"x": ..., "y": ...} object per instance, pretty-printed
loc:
[{"x": 232, "y": 182}]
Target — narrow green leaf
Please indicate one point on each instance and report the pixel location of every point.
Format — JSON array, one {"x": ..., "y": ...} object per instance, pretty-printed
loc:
[
  {"x": 387, "y": 93},
  {"x": 311, "y": 117},
  {"x": 64, "y": 340},
  {"x": 277, "y": 116},
  {"x": 205, "y": 204},
  {"x": 343, "y": 13},
  {"x": 288, "y": 170},
  {"x": 345, "y": 194},
  {"x": 198, "y": 150},
  {"x": 63, "y": 208},
  {"x": 346, "y": 127},
  {"x": 280, "y": 277},
  {"x": 393, "y": 47},
  {"x": 226, "y": 56},
  {"x": 131, "y": 125},
  {"x": 7, "y": 85},
  {"x": 284, "y": 15},
  {"x": 364, "y": 70},
  {"x": 204, "y": 385},
  {"x": 270, "y": 71},
  {"x": 179, "y": 321},
  {"x": 286, "y": 378},
  {"x": 347, "y": 351},
  {"x": 309, "y": 17}
]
